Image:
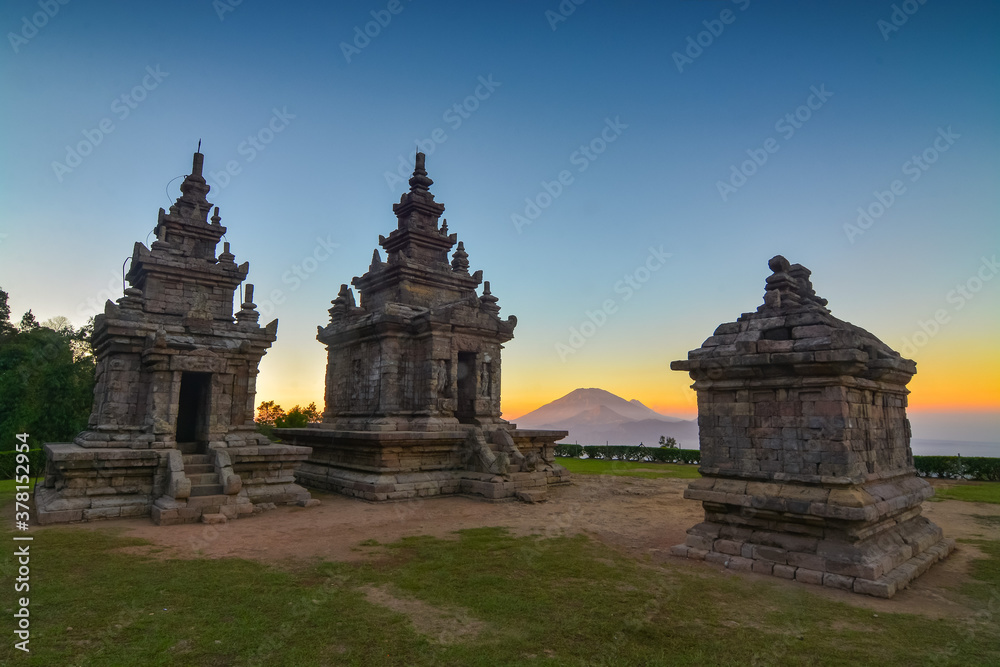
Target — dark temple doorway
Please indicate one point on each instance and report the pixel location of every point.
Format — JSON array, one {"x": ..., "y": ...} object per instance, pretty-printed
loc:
[
  {"x": 193, "y": 411},
  {"x": 466, "y": 412}
]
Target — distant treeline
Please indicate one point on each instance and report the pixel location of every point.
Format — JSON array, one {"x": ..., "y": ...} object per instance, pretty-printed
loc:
[
  {"x": 980, "y": 468},
  {"x": 975, "y": 468},
  {"x": 631, "y": 453}
]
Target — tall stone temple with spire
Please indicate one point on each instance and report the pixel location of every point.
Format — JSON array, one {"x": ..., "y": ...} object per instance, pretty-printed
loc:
[
  {"x": 413, "y": 377},
  {"x": 172, "y": 432}
]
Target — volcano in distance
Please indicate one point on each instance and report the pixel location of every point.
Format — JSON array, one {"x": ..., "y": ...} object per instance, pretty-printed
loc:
[{"x": 597, "y": 417}]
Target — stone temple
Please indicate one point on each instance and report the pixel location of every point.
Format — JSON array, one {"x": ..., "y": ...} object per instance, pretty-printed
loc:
[
  {"x": 413, "y": 377},
  {"x": 805, "y": 446},
  {"x": 172, "y": 432}
]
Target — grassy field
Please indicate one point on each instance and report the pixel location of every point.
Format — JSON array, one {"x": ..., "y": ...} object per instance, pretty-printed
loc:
[
  {"x": 976, "y": 492},
  {"x": 628, "y": 468},
  {"x": 484, "y": 598}
]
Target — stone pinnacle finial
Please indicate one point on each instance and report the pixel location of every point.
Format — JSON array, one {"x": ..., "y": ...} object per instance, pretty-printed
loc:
[
  {"x": 343, "y": 304},
  {"x": 198, "y": 164},
  {"x": 419, "y": 182},
  {"x": 805, "y": 288},
  {"x": 487, "y": 301},
  {"x": 192, "y": 203},
  {"x": 789, "y": 287},
  {"x": 248, "y": 310},
  {"x": 226, "y": 256},
  {"x": 460, "y": 260}
]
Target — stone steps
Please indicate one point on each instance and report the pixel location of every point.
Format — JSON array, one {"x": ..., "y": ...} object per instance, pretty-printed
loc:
[
  {"x": 199, "y": 490},
  {"x": 204, "y": 479}
]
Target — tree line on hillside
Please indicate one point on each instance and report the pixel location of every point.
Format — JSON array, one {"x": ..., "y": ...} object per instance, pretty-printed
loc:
[
  {"x": 47, "y": 382},
  {"x": 46, "y": 378},
  {"x": 270, "y": 416}
]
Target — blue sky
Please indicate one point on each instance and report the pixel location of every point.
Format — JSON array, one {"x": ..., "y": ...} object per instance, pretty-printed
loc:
[{"x": 331, "y": 129}]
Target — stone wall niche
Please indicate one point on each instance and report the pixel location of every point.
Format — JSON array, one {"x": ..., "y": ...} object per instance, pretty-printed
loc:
[
  {"x": 171, "y": 434},
  {"x": 807, "y": 472},
  {"x": 413, "y": 377}
]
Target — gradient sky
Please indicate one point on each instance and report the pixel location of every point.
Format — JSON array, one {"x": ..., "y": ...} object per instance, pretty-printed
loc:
[{"x": 316, "y": 194}]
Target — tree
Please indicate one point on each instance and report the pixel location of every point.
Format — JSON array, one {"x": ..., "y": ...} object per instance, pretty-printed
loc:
[
  {"x": 268, "y": 412},
  {"x": 312, "y": 412},
  {"x": 6, "y": 328},
  {"x": 28, "y": 322},
  {"x": 298, "y": 417},
  {"x": 270, "y": 416},
  {"x": 46, "y": 379},
  {"x": 668, "y": 442}
]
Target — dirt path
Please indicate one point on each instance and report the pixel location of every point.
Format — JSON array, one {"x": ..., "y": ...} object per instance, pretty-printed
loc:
[{"x": 640, "y": 517}]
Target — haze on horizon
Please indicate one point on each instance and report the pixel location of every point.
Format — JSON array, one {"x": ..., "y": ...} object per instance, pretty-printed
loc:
[{"x": 621, "y": 174}]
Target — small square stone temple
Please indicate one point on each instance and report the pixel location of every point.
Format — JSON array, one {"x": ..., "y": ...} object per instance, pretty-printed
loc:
[
  {"x": 172, "y": 432},
  {"x": 807, "y": 472},
  {"x": 413, "y": 377}
]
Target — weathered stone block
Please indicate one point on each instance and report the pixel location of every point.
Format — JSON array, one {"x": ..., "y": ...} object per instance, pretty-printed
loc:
[
  {"x": 784, "y": 571},
  {"x": 809, "y": 576}
]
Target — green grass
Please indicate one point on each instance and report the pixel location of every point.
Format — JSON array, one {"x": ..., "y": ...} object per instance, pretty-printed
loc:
[
  {"x": 7, "y": 488},
  {"x": 986, "y": 572},
  {"x": 976, "y": 492},
  {"x": 558, "y": 601},
  {"x": 643, "y": 469}
]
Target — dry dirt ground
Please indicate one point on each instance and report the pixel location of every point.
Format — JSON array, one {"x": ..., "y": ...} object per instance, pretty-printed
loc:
[{"x": 639, "y": 517}]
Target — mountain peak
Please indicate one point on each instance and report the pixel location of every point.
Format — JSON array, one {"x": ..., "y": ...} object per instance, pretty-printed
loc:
[
  {"x": 581, "y": 400},
  {"x": 596, "y": 416}
]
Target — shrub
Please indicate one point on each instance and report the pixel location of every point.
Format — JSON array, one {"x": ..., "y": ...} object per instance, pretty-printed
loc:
[
  {"x": 573, "y": 451},
  {"x": 979, "y": 468}
]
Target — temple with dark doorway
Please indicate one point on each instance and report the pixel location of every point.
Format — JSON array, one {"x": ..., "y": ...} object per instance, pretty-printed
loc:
[
  {"x": 413, "y": 377},
  {"x": 172, "y": 432}
]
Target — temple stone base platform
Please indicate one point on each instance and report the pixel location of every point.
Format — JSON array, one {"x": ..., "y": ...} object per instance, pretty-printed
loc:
[
  {"x": 398, "y": 465},
  {"x": 847, "y": 537},
  {"x": 167, "y": 485}
]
